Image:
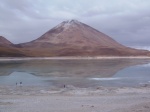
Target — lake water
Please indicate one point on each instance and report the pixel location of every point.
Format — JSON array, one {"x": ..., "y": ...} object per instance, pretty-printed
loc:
[{"x": 78, "y": 73}]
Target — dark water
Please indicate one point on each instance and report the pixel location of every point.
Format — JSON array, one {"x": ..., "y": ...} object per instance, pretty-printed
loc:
[{"x": 79, "y": 73}]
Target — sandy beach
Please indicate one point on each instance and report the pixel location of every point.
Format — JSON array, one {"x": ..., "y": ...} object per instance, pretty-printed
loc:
[{"x": 71, "y": 99}]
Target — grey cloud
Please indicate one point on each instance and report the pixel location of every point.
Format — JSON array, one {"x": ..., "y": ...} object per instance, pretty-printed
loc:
[
  {"x": 130, "y": 28},
  {"x": 125, "y": 21}
]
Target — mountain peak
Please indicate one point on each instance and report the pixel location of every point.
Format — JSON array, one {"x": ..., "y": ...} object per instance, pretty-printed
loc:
[
  {"x": 72, "y": 21},
  {"x": 74, "y": 38},
  {"x": 74, "y": 34},
  {"x": 68, "y": 24}
]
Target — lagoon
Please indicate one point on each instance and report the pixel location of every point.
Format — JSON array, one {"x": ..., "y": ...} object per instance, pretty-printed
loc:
[{"x": 78, "y": 73}]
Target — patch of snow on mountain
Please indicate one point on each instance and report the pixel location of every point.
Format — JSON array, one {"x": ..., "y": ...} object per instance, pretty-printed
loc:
[{"x": 66, "y": 24}]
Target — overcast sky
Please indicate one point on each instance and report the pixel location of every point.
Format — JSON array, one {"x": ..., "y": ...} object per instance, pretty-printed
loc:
[{"x": 127, "y": 21}]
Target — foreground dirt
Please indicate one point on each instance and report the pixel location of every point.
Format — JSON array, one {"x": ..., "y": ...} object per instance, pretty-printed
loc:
[{"x": 32, "y": 99}]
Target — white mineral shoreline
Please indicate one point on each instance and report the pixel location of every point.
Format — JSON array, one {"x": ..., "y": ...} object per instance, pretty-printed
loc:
[
  {"x": 70, "y": 58},
  {"x": 101, "y": 99}
]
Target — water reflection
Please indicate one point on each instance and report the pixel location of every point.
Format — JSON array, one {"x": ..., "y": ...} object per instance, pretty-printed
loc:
[
  {"x": 80, "y": 73},
  {"x": 25, "y": 78}
]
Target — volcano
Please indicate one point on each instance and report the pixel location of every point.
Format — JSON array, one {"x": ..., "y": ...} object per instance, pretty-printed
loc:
[
  {"x": 73, "y": 38},
  {"x": 69, "y": 38},
  {"x": 73, "y": 34}
]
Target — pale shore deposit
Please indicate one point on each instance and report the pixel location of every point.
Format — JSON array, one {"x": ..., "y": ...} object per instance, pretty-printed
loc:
[
  {"x": 71, "y": 99},
  {"x": 71, "y": 58}
]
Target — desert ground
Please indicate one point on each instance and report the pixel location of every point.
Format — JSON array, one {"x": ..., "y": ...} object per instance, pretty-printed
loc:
[{"x": 71, "y": 99}]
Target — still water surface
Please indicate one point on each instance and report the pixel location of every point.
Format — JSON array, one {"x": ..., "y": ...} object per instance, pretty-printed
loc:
[{"x": 78, "y": 73}]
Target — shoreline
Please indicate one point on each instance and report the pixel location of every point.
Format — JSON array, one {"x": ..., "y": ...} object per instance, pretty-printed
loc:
[
  {"x": 71, "y": 58},
  {"x": 31, "y": 99},
  {"x": 71, "y": 90}
]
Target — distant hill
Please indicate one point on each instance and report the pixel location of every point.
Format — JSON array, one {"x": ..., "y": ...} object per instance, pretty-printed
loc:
[
  {"x": 8, "y": 49},
  {"x": 73, "y": 38},
  {"x": 4, "y": 42}
]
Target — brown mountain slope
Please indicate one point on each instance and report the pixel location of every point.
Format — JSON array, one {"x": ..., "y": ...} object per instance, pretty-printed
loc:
[
  {"x": 73, "y": 38},
  {"x": 7, "y": 49},
  {"x": 4, "y": 42},
  {"x": 11, "y": 52}
]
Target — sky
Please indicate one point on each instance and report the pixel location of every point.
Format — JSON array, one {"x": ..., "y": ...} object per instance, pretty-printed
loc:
[{"x": 126, "y": 21}]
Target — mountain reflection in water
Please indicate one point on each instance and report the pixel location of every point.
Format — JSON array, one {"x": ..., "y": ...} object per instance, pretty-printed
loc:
[{"x": 79, "y": 73}]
